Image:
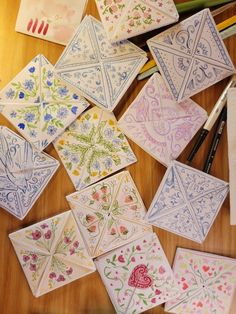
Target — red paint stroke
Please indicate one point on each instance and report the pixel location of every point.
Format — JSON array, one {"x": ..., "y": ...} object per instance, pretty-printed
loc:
[
  {"x": 45, "y": 29},
  {"x": 35, "y": 25},
  {"x": 41, "y": 27},
  {"x": 29, "y": 25}
]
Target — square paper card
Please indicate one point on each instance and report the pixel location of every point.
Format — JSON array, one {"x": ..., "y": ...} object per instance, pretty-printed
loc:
[
  {"x": 93, "y": 147},
  {"x": 158, "y": 124},
  {"x": 54, "y": 20},
  {"x": 52, "y": 253},
  {"x": 124, "y": 19},
  {"x": 24, "y": 173},
  {"x": 137, "y": 276},
  {"x": 109, "y": 213},
  {"x": 207, "y": 283},
  {"x": 39, "y": 104},
  {"x": 101, "y": 71},
  {"x": 191, "y": 56},
  {"x": 187, "y": 202}
]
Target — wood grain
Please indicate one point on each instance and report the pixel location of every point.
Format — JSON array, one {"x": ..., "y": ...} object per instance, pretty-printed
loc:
[{"x": 88, "y": 295}]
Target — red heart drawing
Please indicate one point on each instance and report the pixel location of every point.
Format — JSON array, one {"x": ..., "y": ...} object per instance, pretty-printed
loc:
[
  {"x": 199, "y": 304},
  {"x": 139, "y": 277},
  {"x": 205, "y": 268},
  {"x": 185, "y": 286}
]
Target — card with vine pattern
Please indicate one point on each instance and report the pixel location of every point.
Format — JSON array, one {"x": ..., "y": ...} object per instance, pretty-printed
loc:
[
  {"x": 54, "y": 20},
  {"x": 124, "y": 19},
  {"x": 207, "y": 283},
  {"x": 187, "y": 202},
  {"x": 102, "y": 72},
  {"x": 137, "y": 276},
  {"x": 93, "y": 147},
  {"x": 24, "y": 173},
  {"x": 158, "y": 124},
  {"x": 109, "y": 213},
  {"x": 191, "y": 56},
  {"x": 39, "y": 104},
  {"x": 52, "y": 253}
]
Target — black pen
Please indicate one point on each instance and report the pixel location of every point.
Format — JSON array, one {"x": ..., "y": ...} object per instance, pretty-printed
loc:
[{"x": 216, "y": 139}]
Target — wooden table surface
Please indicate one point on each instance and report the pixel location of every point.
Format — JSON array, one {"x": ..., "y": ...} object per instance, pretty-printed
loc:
[{"x": 88, "y": 295}]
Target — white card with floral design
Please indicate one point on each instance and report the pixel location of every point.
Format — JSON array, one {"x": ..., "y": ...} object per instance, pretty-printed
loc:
[
  {"x": 158, "y": 124},
  {"x": 109, "y": 213},
  {"x": 123, "y": 19},
  {"x": 52, "y": 253},
  {"x": 137, "y": 276},
  {"x": 191, "y": 56},
  {"x": 93, "y": 147},
  {"x": 102, "y": 72},
  {"x": 24, "y": 173},
  {"x": 187, "y": 202},
  {"x": 207, "y": 283},
  {"x": 39, "y": 104},
  {"x": 54, "y": 20}
]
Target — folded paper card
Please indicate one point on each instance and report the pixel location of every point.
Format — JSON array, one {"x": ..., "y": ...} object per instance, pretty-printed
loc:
[
  {"x": 93, "y": 147},
  {"x": 54, "y": 20},
  {"x": 137, "y": 276},
  {"x": 101, "y": 71},
  {"x": 24, "y": 173},
  {"x": 127, "y": 18},
  {"x": 207, "y": 283},
  {"x": 52, "y": 253},
  {"x": 191, "y": 56},
  {"x": 158, "y": 124},
  {"x": 231, "y": 132},
  {"x": 187, "y": 202},
  {"x": 39, "y": 104},
  {"x": 109, "y": 213}
]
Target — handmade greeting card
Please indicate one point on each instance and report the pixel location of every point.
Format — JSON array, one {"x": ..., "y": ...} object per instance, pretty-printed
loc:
[
  {"x": 109, "y": 213},
  {"x": 101, "y": 71},
  {"x": 187, "y": 202},
  {"x": 137, "y": 276},
  {"x": 54, "y": 20},
  {"x": 124, "y": 19},
  {"x": 39, "y": 104},
  {"x": 93, "y": 147},
  {"x": 52, "y": 253},
  {"x": 207, "y": 283},
  {"x": 191, "y": 56},
  {"x": 24, "y": 173},
  {"x": 158, "y": 124}
]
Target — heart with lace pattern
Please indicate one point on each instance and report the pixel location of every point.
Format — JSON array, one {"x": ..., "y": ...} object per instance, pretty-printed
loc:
[{"x": 139, "y": 277}]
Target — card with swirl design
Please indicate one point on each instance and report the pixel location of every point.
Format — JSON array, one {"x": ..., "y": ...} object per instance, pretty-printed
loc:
[
  {"x": 54, "y": 20},
  {"x": 187, "y": 202},
  {"x": 24, "y": 173},
  {"x": 109, "y": 213},
  {"x": 102, "y": 72},
  {"x": 158, "y": 124},
  {"x": 137, "y": 276},
  {"x": 52, "y": 253},
  {"x": 207, "y": 283},
  {"x": 39, "y": 104},
  {"x": 124, "y": 19},
  {"x": 191, "y": 56},
  {"x": 93, "y": 147}
]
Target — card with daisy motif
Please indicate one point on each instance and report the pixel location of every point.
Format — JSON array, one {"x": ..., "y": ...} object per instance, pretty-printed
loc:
[
  {"x": 24, "y": 173},
  {"x": 109, "y": 213},
  {"x": 52, "y": 253},
  {"x": 187, "y": 202},
  {"x": 137, "y": 276},
  {"x": 102, "y": 72},
  {"x": 93, "y": 147},
  {"x": 191, "y": 56},
  {"x": 39, "y": 104},
  {"x": 160, "y": 125},
  {"x": 123, "y": 19},
  {"x": 207, "y": 283}
]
